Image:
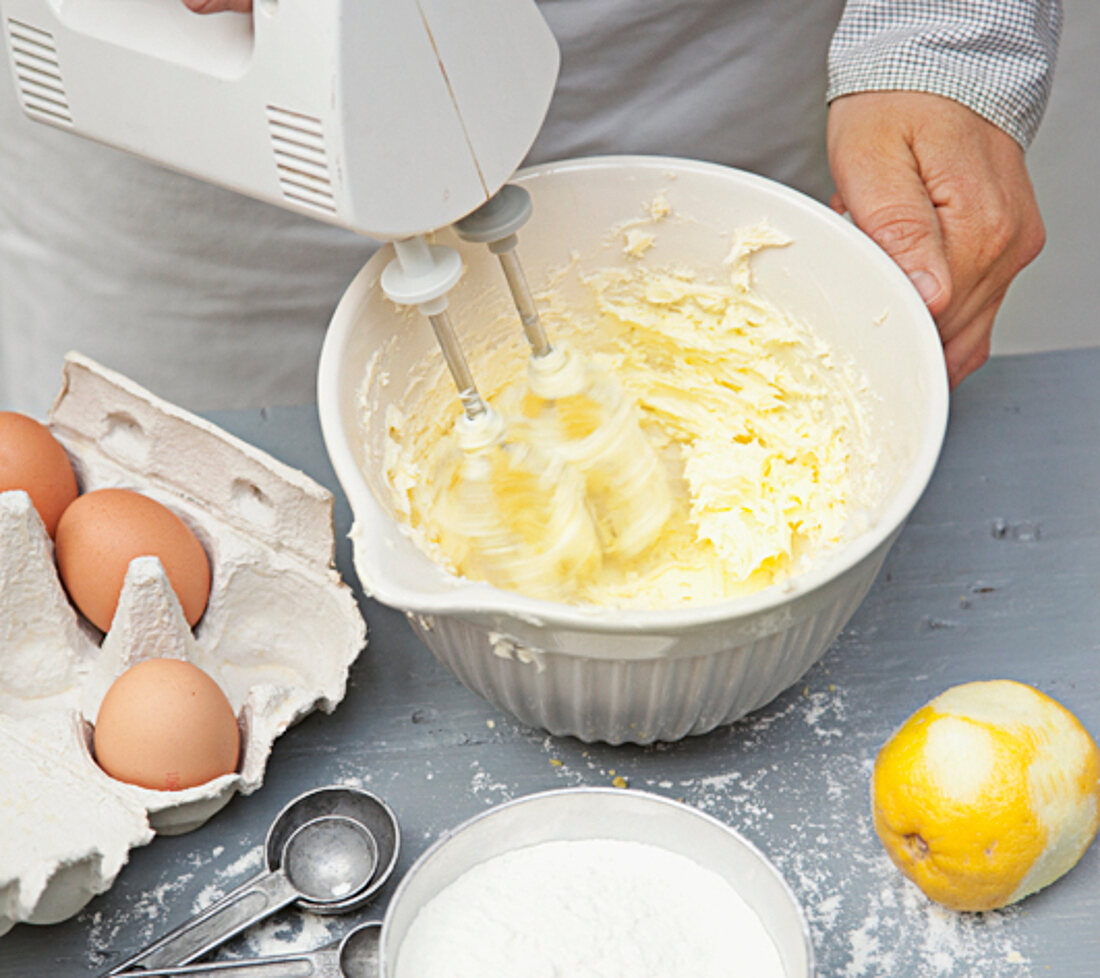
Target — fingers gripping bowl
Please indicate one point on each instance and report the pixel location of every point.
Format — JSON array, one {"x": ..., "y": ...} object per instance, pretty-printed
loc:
[{"x": 640, "y": 675}]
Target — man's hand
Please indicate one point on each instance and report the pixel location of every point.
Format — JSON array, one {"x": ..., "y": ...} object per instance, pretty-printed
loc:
[
  {"x": 217, "y": 6},
  {"x": 947, "y": 195}
]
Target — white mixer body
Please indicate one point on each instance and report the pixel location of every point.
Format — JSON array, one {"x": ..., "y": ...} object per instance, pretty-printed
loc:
[{"x": 388, "y": 117}]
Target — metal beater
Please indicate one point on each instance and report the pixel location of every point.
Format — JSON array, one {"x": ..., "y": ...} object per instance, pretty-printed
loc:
[
  {"x": 521, "y": 515},
  {"x": 584, "y": 417}
]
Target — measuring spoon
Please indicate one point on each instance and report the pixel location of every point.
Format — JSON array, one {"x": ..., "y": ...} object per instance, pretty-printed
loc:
[
  {"x": 356, "y": 956},
  {"x": 324, "y": 860}
]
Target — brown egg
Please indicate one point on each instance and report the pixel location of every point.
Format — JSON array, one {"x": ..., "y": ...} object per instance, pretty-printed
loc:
[
  {"x": 102, "y": 531},
  {"x": 165, "y": 724},
  {"x": 33, "y": 460}
]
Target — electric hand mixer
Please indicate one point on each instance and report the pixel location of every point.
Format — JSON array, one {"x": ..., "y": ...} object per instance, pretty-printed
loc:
[{"x": 391, "y": 118}]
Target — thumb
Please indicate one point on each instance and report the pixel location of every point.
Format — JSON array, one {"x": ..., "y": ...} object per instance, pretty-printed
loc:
[
  {"x": 217, "y": 6},
  {"x": 890, "y": 203}
]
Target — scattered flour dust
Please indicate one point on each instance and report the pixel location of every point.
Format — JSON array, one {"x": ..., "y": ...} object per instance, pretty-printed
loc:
[
  {"x": 150, "y": 916},
  {"x": 602, "y": 908},
  {"x": 866, "y": 920},
  {"x": 145, "y": 913}
]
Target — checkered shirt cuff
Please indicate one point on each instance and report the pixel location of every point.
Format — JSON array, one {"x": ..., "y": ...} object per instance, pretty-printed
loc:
[{"x": 994, "y": 56}]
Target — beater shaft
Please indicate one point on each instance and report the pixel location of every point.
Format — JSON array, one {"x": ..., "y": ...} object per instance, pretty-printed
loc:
[
  {"x": 495, "y": 224},
  {"x": 422, "y": 274},
  {"x": 525, "y": 303},
  {"x": 473, "y": 404}
]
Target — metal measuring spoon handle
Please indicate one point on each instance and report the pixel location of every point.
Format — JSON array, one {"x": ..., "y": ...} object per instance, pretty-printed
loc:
[
  {"x": 355, "y": 957},
  {"x": 308, "y": 964},
  {"x": 325, "y": 860}
]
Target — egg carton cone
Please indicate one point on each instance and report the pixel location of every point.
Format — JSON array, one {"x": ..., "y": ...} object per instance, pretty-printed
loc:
[{"x": 279, "y": 634}]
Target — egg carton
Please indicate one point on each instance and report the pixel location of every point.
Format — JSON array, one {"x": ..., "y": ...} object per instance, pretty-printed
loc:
[{"x": 279, "y": 635}]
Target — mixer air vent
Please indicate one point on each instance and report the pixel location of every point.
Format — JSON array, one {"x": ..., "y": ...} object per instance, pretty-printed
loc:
[
  {"x": 299, "y": 144},
  {"x": 38, "y": 74}
]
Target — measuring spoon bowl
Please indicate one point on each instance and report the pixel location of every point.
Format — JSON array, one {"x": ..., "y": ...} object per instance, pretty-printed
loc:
[
  {"x": 353, "y": 803},
  {"x": 329, "y": 859},
  {"x": 360, "y": 951}
]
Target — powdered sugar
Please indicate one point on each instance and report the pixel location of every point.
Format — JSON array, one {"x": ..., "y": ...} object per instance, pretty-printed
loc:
[{"x": 597, "y": 908}]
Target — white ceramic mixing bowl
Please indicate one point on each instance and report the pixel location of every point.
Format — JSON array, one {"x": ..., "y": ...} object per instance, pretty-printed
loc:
[{"x": 639, "y": 676}]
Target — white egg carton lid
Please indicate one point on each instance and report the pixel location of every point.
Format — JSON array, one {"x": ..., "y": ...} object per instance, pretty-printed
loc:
[{"x": 279, "y": 635}]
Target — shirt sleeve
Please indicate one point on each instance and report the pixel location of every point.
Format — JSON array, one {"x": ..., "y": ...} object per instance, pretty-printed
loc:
[{"x": 994, "y": 56}]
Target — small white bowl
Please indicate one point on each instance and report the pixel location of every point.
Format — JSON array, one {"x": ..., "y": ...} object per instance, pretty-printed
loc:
[
  {"x": 575, "y": 814},
  {"x": 640, "y": 676}
]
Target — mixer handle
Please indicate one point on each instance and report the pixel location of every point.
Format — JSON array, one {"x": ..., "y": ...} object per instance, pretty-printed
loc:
[{"x": 167, "y": 30}]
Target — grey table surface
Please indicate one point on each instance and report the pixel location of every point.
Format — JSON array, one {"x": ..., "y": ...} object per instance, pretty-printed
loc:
[{"x": 996, "y": 575}]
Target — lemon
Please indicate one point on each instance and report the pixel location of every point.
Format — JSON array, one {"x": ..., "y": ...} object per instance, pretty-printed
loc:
[{"x": 988, "y": 793}]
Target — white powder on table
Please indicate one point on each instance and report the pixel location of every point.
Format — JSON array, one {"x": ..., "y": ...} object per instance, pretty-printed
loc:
[{"x": 596, "y": 908}]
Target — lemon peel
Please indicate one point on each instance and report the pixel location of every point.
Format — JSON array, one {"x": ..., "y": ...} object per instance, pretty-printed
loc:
[{"x": 987, "y": 794}]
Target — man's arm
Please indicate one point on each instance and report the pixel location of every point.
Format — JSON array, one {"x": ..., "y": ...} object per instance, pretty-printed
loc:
[{"x": 932, "y": 104}]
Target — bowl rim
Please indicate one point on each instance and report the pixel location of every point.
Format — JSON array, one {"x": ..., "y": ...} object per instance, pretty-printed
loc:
[
  {"x": 472, "y": 599},
  {"x": 645, "y": 797}
]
